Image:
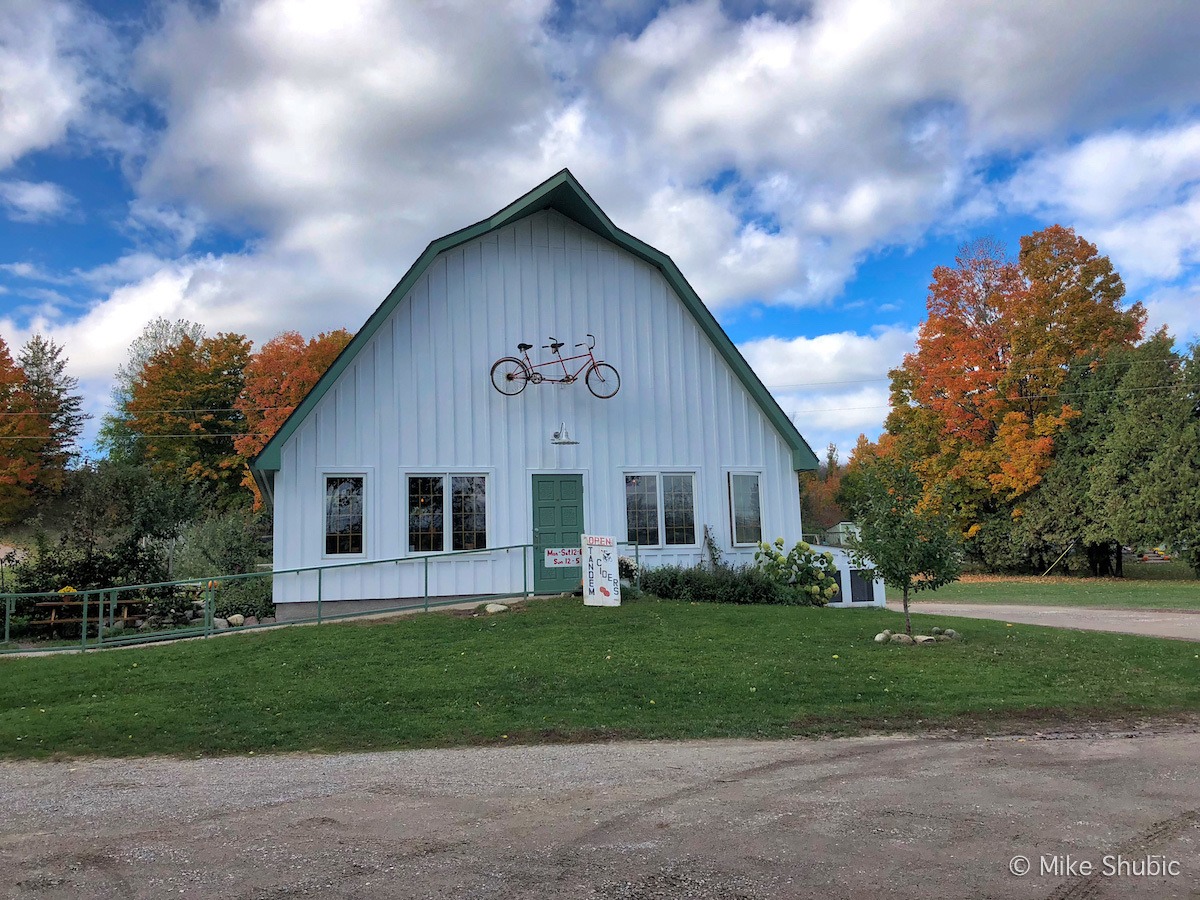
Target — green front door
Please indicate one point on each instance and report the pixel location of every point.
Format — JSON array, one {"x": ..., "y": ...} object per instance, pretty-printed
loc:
[{"x": 557, "y": 533}]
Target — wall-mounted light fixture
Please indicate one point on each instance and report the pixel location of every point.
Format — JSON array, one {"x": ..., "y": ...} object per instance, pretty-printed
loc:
[{"x": 562, "y": 436}]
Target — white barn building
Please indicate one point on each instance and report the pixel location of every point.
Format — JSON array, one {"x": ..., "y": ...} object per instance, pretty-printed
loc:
[{"x": 414, "y": 447}]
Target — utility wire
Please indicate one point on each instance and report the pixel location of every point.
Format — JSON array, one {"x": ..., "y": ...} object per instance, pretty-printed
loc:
[{"x": 980, "y": 371}]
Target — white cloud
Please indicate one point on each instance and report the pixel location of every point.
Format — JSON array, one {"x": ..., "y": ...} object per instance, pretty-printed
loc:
[
  {"x": 1178, "y": 308},
  {"x": 835, "y": 386},
  {"x": 352, "y": 135},
  {"x": 1135, "y": 193},
  {"x": 864, "y": 123},
  {"x": 46, "y": 53},
  {"x": 30, "y": 201},
  {"x": 766, "y": 153},
  {"x": 1155, "y": 245},
  {"x": 1110, "y": 175}
]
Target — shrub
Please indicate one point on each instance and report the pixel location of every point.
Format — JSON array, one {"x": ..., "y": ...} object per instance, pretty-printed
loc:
[
  {"x": 627, "y": 569},
  {"x": 725, "y": 584},
  {"x": 802, "y": 569},
  {"x": 67, "y": 563},
  {"x": 167, "y": 608},
  {"x": 230, "y": 544},
  {"x": 251, "y": 597}
]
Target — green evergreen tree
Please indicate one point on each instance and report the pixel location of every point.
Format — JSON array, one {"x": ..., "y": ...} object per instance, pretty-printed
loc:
[
  {"x": 1172, "y": 489},
  {"x": 1140, "y": 426},
  {"x": 53, "y": 393}
]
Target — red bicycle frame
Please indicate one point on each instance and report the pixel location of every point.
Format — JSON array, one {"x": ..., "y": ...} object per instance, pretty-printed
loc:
[{"x": 568, "y": 376}]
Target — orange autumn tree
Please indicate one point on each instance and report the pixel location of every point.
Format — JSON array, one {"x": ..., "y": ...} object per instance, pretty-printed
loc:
[
  {"x": 182, "y": 408},
  {"x": 277, "y": 378},
  {"x": 24, "y": 434},
  {"x": 978, "y": 403},
  {"x": 819, "y": 507}
]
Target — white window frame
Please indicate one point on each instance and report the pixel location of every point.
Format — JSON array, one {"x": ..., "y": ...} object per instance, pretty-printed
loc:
[
  {"x": 661, "y": 508},
  {"x": 367, "y": 524},
  {"x": 448, "y": 507},
  {"x": 733, "y": 541}
]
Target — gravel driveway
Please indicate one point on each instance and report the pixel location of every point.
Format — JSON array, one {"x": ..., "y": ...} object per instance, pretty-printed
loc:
[
  {"x": 865, "y": 817},
  {"x": 1181, "y": 625}
]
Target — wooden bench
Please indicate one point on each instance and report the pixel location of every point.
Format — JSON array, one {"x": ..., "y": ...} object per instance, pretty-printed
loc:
[{"x": 100, "y": 616}]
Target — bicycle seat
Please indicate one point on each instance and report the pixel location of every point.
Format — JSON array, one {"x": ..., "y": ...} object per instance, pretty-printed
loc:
[
  {"x": 556, "y": 345},
  {"x": 524, "y": 347}
]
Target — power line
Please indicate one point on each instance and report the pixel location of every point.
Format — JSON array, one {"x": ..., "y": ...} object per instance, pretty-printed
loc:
[
  {"x": 144, "y": 436},
  {"x": 137, "y": 412},
  {"x": 1091, "y": 366}
]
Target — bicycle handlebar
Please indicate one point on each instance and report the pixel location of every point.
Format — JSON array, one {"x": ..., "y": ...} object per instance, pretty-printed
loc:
[{"x": 554, "y": 340}]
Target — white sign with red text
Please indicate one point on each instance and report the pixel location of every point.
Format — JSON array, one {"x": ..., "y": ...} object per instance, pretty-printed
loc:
[
  {"x": 601, "y": 577},
  {"x": 563, "y": 556}
]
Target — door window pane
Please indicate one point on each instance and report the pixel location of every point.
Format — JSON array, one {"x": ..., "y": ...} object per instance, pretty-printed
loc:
[
  {"x": 343, "y": 514},
  {"x": 743, "y": 502},
  {"x": 641, "y": 509},
  {"x": 468, "y": 512},
  {"x": 679, "y": 509},
  {"x": 426, "y": 519}
]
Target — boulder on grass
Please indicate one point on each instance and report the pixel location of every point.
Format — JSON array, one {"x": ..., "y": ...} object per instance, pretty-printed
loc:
[
  {"x": 495, "y": 608},
  {"x": 901, "y": 639},
  {"x": 251, "y": 620},
  {"x": 219, "y": 623},
  {"x": 923, "y": 639},
  {"x": 951, "y": 633},
  {"x": 882, "y": 637},
  {"x": 237, "y": 619},
  {"x": 935, "y": 631}
]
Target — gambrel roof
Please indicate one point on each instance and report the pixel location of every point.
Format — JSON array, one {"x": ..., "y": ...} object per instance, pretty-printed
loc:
[{"x": 565, "y": 195}]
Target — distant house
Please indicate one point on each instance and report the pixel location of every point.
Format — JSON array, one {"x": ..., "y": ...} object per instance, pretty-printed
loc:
[{"x": 416, "y": 445}]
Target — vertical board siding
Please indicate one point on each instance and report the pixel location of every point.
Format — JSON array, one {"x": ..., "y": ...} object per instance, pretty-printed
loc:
[{"x": 419, "y": 397}]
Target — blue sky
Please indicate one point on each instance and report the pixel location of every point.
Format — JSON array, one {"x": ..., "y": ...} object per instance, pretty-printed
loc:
[{"x": 264, "y": 164}]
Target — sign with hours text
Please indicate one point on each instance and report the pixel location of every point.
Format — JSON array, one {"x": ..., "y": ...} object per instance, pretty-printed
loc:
[
  {"x": 601, "y": 577},
  {"x": 562, "y": 556}
]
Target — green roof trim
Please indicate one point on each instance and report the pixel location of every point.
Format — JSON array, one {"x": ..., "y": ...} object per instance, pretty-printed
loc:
[{"x": 564, "y": 194}]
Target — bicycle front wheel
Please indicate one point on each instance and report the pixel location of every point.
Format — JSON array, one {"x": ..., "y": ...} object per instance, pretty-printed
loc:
[
  {"x": 603, "y": 380},
  {"x": 509, "y": 376}
]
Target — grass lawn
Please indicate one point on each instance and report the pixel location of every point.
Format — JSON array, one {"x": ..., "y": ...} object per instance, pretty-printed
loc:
[
  {"x": 555, "y": 670},
  {"x": 1146, "y": 586}
]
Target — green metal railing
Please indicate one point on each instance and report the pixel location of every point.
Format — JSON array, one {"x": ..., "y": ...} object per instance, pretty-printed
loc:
[{"x": 107, "y": 600}]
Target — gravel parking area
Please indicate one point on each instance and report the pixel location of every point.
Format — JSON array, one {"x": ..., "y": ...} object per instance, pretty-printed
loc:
[
  {"x": 1184, "y": 626},
  {"x": 864, "y": 817}
]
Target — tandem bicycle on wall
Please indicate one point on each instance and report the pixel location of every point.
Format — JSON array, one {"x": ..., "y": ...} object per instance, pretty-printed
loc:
[{"x": 511, "y": 374}]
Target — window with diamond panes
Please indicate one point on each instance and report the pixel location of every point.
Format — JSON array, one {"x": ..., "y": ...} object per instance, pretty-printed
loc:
[
  {"x": 468, "y": 513},
  {"x": 343, "y": 514},
  {"x": 679, "y": 509},
  {"x": 641, "y": 509},
  {"x": 426, "y": 516}
]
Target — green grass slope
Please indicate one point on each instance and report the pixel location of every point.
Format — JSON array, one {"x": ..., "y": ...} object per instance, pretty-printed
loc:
[{"x": 555, "y": 670}]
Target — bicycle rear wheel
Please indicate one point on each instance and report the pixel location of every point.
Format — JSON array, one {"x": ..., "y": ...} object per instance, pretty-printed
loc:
[
  {"x": 603, "y": 380},
  {"x": 509, "y": 376}
]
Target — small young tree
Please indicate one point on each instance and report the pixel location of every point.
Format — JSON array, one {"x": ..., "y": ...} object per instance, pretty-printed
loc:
[{"x": 905, "y": 540}]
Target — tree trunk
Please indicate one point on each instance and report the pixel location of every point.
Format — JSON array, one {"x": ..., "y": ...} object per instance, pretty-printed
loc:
[
  {"x": 907, "y": 618},
  {"x": 1120, "y": 561}
]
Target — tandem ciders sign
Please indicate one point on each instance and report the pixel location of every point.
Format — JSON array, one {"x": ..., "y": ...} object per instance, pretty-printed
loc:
[{"x": 601, "y": 577}]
